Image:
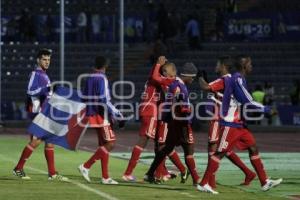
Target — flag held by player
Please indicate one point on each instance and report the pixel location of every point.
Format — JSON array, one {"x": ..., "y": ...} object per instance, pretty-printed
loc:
[{"x": 62, "y": 120}]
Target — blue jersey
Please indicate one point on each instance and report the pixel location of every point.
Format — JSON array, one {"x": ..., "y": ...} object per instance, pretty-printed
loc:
[
  {"x": 236, "y": 93},
  {"x": 177, "y": 94},
  {"x": 38, "y": 90},
  {"x": 97, "y": 95}
]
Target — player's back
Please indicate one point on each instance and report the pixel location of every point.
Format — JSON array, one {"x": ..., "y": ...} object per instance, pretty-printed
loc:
[{"x": 93, "y": 93}]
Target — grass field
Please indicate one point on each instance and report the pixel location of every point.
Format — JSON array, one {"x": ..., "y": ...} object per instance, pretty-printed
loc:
[{"x": 285, "y": 165}]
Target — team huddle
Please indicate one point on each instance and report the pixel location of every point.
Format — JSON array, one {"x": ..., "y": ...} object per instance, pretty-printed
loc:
[{"x": 166, "y": 117}]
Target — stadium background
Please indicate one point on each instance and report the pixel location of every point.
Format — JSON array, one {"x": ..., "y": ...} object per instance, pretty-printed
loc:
[{"x": 269, "y": 31}]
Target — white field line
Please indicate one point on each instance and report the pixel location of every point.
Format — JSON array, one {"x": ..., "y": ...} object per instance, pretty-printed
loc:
[{"x": 80, "y": 185}]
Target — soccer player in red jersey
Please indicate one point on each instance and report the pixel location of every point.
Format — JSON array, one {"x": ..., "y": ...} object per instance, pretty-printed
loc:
[
  {"x": 217, "y": 87},
  {"x": 148, "y": 111},
  {"x": 100, "y": 112},
  {"x": 38, "y": 91},
  {"x": 233, "y": 130},
  {"x": 177, "y": 111}
]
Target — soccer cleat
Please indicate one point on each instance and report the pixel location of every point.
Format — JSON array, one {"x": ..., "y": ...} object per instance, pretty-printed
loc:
[
  {"x": 84, "y": 172},
  {"x": 184, "y": 176},
  {"x": 21, "y": 174},
  {"x": 57, "y": 177},
  {"x": 151, "y": 179},
  {"x": 109, "y": 181},
  {"x": 249, "y": 178},
  {"x": 206, "y": 188},
  {"x": 129, "y": 178},
  {"x": 271, "y": 183},
  {"x": 172, "y": 174},
  {"x": 165, "y": 178}
]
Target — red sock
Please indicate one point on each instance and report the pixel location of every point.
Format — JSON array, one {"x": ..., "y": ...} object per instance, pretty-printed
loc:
[
  {"x": 104, "y": 162},
  {"x": 24, "y": 156},
  {"x": 49, "y": 155},
  {"x": 174, "y": 157},
  {"x": 211, "y": 169},
  {"x": 235, "y": 159},
  {"x": 96, "y": 156},
  {"x": 135, "y": 156},
  {"x": 190, "y": 162},
  {"x": 212, "y": 178},
  {"x": 259, "y": 168}
]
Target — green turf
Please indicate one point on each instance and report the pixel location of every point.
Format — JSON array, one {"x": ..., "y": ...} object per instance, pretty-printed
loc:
[{"x": 284, "y": 165}]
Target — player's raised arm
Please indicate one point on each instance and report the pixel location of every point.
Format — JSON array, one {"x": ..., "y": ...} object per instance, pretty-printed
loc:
[{"x": 168, "y": 69}]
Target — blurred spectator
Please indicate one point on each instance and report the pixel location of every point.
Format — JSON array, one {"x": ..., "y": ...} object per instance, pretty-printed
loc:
[
  {"x": 258, "y": 94},
  {"x": 156, "y": 49},
  {"x": 219, "y": 24},
  {"x": 12, "y": 29},
  {"x": 269, "y": 93},
  {"x": 171, "y": 32},
  {"x": 192, "y": 31},
  {"x": 104, "y": 27},
  {"x": 129, "y": 30},
  {"x": 162, "y": 19},
  {"x": 81, "y": 27},
  {"x": 231, "y": 6},
  {"x": 150, "y": 23},
  {"x": 213, "y": 36},
  {"x": 269, "y": 98},
  {"x": 50, "y": 27},
  {"x": 295, "y": 93},
  {"x": 95, "y": 28},
  {"x": 26, "y": 26}
]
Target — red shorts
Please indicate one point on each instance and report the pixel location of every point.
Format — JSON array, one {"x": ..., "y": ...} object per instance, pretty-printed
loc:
[
  {"x": 213, "y": 134},
  {"x": 179, "y": 133},
  {"x": 148, "y": 127},
  {"x": 242, "y": 138},
  {"x": 97, "y": 121},
  {"x": 162, "y": 132},
  {"x": 103, "y": 128},
  {"x": 105, "y": 134}
]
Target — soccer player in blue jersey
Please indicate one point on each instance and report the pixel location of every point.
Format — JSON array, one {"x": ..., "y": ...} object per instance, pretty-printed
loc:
[
  {"x": 38, "y": 91},
  {"x": 178, "y": 109},
  {"x": 100, "y": 112},
  {"x": 233, "y": 130}
]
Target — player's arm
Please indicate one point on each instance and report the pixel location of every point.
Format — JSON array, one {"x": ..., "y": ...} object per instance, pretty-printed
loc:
[
  {"x": 34, "y": 88},
  {"x": 213, "y": 86},
  {"x": 106, "y": 98},
  {"x": 179, "y": 98},
  {"x": 228, "y": 90},
  {"x": 246, "y": 98},
  {"x": 157, "y": 77}
]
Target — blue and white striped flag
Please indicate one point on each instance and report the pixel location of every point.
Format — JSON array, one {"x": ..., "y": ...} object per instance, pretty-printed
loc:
[{"x": 62, "y": 120}]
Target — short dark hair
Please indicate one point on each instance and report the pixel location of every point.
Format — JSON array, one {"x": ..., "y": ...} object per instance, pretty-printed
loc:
[
  {"x": 44, "y": 52},
  {"x": 165, "y": 66},
  {"x": 101, "y": 62},
  {"x": 238, "y": 63},
  {"x": 225, "y": 60}
]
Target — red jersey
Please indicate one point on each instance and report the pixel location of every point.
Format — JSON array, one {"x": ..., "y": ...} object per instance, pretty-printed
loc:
[{"x": 152, "y": 93}]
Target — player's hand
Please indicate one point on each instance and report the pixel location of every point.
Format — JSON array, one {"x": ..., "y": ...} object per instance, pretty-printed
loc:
[
  {"x": 273, "y": 112},
  {"x": 161, "y": 60},
  {"x": 121, "y": 124},
  {"x": 202, "y": 74}
]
